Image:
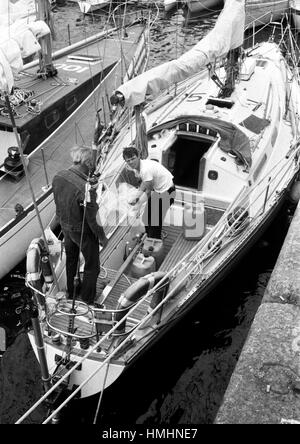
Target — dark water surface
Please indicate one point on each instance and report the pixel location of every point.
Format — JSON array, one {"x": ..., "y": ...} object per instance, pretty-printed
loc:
[
  {"x": 183, "y": 379},
  {"x": 170, "y": 34}
]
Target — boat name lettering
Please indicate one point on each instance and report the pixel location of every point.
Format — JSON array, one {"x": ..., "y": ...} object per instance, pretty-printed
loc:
[{"x": 68, "y": 67}]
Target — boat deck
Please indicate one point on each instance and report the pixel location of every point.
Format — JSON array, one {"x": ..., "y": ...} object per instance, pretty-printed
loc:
[
  {"x": 77, "y": 66},
  {"x": 175, "y": 248},
  {"x": 84, "y": 325}
]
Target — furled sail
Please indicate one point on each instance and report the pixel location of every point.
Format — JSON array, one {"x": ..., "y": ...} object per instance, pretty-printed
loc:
[
  {"x": 18, "y": 40},
  {"x": 17, "y": 10},
  {"x": 227, "y": 34}
]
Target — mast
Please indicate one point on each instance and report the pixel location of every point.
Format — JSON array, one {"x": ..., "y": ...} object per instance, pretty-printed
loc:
[
  {"x": 232, "y": 68},
  {"x": 141, "y": 141},
  {"x": 226, "y": 35},
  {"x": 45, "y": 56}
]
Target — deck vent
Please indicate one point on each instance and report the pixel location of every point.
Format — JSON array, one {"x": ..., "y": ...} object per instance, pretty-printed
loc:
[{"x": 85, "y": 58}]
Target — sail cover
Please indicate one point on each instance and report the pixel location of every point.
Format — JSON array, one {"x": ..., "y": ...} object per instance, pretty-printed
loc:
[
  {"x": 21, "y": 10},
  {"x": 18, "y": 38},
  {"x": 227, "y": 34}
]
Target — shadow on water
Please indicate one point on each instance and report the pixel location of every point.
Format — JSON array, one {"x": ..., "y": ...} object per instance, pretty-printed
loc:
[{"x": 182, "y": 380}]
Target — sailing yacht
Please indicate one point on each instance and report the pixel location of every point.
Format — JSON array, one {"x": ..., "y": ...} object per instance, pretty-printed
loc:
[
  {"x": 262, "y": 12},
  {"x": 43, "y": 111},
  {"x": 194, "y": 9},
  {"x": 259, "y": 12},
  {"x": 223, "y": 118},
  {"x": 295, "y": 12},
  {"x": 171, "y": 4}
]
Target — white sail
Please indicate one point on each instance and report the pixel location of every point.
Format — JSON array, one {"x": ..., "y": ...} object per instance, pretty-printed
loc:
[
  {"x": 18, "y": 38},
  {"x": 13, "y": 10},
  {"x": 227, "y": 34}
]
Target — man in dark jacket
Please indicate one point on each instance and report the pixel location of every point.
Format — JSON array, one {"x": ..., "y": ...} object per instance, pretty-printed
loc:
[{"x": 69, "y": 194}]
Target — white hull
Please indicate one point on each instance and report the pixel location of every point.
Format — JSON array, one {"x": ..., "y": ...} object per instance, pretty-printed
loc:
[
  {"x": 263, "y": 11},
  {"x": 202, "y": 6},
  {"x": 169, "y": 5},
  {"x": 89, "y": 6},
  {"x": 96, "y": 383},
  {"x": 295, "y": 11},
  {"x": 14, "y": 243}
]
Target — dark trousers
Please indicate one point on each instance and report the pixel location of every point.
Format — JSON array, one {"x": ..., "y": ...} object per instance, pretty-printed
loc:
[
  {"x": 90, "y": 251},
  {"x": 156, "y": 210}
]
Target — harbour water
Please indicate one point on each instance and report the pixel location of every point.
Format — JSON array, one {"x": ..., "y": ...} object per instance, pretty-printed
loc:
[
  {"x": 170, "y": 34},
  {"x": 183, "y": 380}
]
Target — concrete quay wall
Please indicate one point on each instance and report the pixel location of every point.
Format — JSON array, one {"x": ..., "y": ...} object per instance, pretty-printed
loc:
[{"x": 265, "y": 385}]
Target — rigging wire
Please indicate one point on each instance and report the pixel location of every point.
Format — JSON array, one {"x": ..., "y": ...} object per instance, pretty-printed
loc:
[{"x": 101, "y": 394}]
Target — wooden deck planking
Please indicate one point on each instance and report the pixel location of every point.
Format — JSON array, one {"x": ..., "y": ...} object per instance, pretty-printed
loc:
[
  {"x": 169, "y": 235},
  {"x": 179, "y": 249},
  {"x": 84, "y": 326},
  {"x": 112, "y": 301}
]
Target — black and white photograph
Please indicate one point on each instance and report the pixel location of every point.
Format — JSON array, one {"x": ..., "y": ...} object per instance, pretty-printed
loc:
[{"x": 149, "y": 215}]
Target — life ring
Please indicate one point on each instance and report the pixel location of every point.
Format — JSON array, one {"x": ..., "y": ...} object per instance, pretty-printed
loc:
[
  {"x": 38, "y": 268},
  {"x": 136, "y": 291}
]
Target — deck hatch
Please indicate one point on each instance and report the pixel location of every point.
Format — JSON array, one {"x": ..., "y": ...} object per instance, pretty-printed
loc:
[{"x": 221, "y": 103}]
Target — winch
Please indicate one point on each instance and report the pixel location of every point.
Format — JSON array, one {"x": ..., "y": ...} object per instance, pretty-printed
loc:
[{"x": 13, "y": 163}]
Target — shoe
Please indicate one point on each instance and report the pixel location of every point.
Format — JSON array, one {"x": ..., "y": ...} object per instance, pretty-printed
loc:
[{"x": 90, "y": 302}]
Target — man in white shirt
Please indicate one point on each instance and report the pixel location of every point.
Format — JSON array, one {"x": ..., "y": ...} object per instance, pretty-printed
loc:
[{"x": 157, "y": 187}]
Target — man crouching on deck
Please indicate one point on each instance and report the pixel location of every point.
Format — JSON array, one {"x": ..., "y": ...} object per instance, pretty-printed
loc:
[
  {"x": 156, "y": 186},
  {"x": 69, "y": 194}
]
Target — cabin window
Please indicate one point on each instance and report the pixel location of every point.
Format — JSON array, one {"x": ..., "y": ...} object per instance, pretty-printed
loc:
[
  {"x": 188, "y": 127},
  {"x": 202, "y": 130},
  {"x": 52, "y": 118},
  {"x": 71, "y": 102},
  {"x": 213, "y": 175}
]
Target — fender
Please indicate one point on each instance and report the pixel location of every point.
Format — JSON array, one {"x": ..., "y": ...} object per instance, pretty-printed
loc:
[{"x": 136, "y": 291}]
